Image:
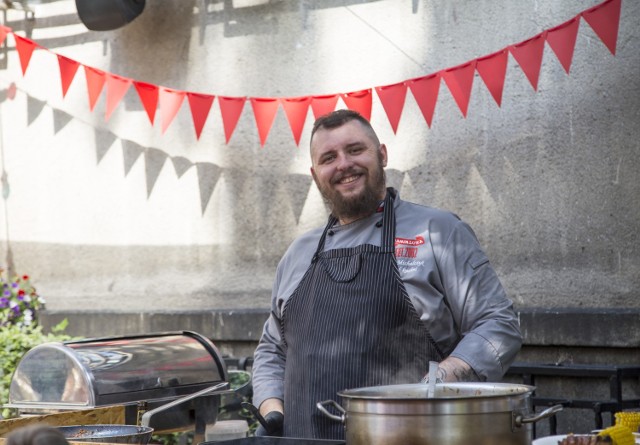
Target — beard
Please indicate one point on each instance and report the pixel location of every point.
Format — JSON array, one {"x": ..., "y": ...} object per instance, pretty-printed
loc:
[{"x": 361, "y": 205}]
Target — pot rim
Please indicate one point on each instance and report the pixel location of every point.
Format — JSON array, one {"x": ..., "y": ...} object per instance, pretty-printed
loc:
[{"x": 444, "y": 391}]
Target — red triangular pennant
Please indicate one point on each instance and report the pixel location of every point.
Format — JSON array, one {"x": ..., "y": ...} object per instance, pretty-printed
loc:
[
  {"x": 562, "y": 40},
  {"x": 321, "y": 105},
  {"x": 459, "y": 79},
  {"x": 4, "y": 30},
  {"x": 116, "y": 89},
  {"x": 200, "y": 105},
  {"x": 264, "y": 110},
  {"x": 68, "y": 69},
  {"x": 604, "y": 19},
  {"x": 425, "y": 91},
  {"x": 528, "y": 54},
  {"x": 231, "y": 109},
  {"x": 25, "y": 49},
  {"x": 359, "y": 101},
  {"x": 170, "y": 102},
  {"x": 492, "y": 70},
  {"x": 148, "y": 94},
  {"x": 95, "y": 82},
  {"x": 296, "y": 109},
  {"x": 392, "y": 98}
]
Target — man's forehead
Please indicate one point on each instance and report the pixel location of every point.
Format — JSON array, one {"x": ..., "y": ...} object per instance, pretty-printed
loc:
[{"x": 348, "y": 134}]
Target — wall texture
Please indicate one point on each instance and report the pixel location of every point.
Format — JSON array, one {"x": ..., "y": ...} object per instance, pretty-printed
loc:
[{"x": 118, "y": 215}]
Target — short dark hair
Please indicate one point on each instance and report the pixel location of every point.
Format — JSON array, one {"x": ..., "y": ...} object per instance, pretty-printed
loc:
[
  {"x": 36, "y": 434},
  {"x": 338, "y": 118}
]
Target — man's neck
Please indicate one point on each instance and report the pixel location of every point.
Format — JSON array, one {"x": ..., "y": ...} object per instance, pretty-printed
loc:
[{"x": 348, "y": 219}]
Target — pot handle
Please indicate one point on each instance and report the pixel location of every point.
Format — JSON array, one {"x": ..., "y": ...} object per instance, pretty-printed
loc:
[
  {"x": 341, "y": 418},
  {"x": 519, "y": 420}
]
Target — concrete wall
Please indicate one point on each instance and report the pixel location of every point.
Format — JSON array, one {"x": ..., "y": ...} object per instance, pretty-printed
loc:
[{"x": 96, "y": 212}]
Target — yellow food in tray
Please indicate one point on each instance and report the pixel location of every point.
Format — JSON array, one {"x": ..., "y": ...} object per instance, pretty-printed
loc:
[
  {"x": 620, "y": 434},
  {"x": 630, "y": 419}
]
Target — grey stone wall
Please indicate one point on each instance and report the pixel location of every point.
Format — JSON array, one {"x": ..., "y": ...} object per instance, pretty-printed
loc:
[{"x": 115, "y": 214}]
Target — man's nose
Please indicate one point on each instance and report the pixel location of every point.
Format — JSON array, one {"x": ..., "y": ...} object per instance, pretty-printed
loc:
[{"x": 344, "y": 161}]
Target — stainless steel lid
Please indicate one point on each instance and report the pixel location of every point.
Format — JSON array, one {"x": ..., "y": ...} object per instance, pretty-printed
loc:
[{"x": 115, "y": 370}]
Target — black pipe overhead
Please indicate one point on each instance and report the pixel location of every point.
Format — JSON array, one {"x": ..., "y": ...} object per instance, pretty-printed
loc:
[{"x": 105, "y": 15}]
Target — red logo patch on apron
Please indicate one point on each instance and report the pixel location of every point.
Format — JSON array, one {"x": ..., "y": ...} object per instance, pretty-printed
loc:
[
  {"x": 408, "y": 248},
  {"x": 418, "y": 241}
]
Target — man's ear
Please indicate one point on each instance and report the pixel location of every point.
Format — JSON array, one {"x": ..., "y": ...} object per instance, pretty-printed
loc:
[
  {"x": 313, "y": 175},
  {"x": 383, "y": 154}
]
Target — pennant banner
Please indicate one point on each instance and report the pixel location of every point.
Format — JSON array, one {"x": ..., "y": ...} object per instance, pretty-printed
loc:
[
  {"x": 528, "y": 54},
  {"x": 460, "y": 80},
  {"x": 296, "y": 109},
  {"x": 95, "y": 83},
  {"x": 116, "y": 89},
  {"x": 200, "y": 105},
  {"x": 68, "y": 70},
  {"x": 264, "y": 110},
  {"x": 148, "y": 94},
  {"x": 231, "y": 109},
  {"x": 562, "y": 40},
  {"x": 170, "y": 103},
  {"x": 604, "y": 20},
  {"x": 493, "y": 70},
  {"x": 392, "y": 99},
  {"x": 425, "y": 91},
  {"x": 321, "y": 105}
]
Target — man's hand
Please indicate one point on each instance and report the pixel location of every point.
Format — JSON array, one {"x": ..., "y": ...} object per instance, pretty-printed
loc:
[
  {"x": 274, "y": 423},
  {"x": 453, "y": 369},
  {"x": 272, "y": 410}
]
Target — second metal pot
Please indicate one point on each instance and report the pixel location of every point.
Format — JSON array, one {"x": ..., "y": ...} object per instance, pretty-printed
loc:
[{"x": 458, "y": 414}]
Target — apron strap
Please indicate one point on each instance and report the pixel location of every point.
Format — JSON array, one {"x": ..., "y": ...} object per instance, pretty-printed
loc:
[
  {"x": 388, "y": 224},
  {"x": 332, "y": 221}
]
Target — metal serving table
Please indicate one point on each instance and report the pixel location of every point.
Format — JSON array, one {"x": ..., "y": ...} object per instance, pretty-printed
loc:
[{"x": 615, "y": 374}]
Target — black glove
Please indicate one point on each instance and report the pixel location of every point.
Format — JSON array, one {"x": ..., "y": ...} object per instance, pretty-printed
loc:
[{"x": 274, "y": 423}]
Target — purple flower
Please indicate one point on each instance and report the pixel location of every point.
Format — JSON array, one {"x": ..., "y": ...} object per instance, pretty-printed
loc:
[
  {"x": 14, "y": 284},
  {"x": 7, "y": 293},
  {"x": 4, "y": 302}
]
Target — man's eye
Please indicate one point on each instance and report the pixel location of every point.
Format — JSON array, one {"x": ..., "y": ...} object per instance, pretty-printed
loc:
[{"x": 326, "y": 159}]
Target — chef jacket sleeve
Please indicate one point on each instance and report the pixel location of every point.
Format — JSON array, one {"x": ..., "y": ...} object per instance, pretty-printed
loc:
[
  {"x": 270, "y": 356},
  {"x": 483, "y": 315}
]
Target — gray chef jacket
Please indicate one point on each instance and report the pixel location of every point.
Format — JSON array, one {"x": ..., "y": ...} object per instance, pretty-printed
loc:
[{"x": 447, "y": 275}]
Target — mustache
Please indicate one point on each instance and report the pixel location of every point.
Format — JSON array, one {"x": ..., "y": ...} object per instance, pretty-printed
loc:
[{"x": 346, "y": 174}]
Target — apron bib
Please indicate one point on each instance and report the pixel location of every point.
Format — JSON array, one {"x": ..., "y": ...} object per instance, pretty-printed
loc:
[{"x": 349, "y": 324}]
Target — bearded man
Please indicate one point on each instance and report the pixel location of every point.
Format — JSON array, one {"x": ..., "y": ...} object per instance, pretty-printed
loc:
[{"x": 370, "y": 299}]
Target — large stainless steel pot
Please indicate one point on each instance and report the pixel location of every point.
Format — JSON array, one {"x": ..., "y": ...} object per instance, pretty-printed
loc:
[{"x": 458, "y": 414}]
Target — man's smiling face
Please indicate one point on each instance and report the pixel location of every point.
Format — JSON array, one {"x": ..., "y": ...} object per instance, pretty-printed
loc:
[{"x": 347, "y": 166}]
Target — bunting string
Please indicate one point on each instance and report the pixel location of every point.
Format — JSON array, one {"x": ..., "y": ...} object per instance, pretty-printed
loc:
[{"x": 603, "y": 19}]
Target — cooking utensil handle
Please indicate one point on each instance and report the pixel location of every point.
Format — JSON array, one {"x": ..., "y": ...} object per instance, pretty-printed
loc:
[
  {"x": 341, "y": 418},
  {"x": 519, "y": 420},
  {"x": 256, "y": 413},
  {"x": 146, "y": 417}
]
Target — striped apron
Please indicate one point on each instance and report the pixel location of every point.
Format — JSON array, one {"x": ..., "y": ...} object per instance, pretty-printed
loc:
[{"x": 349, "y": 324}]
